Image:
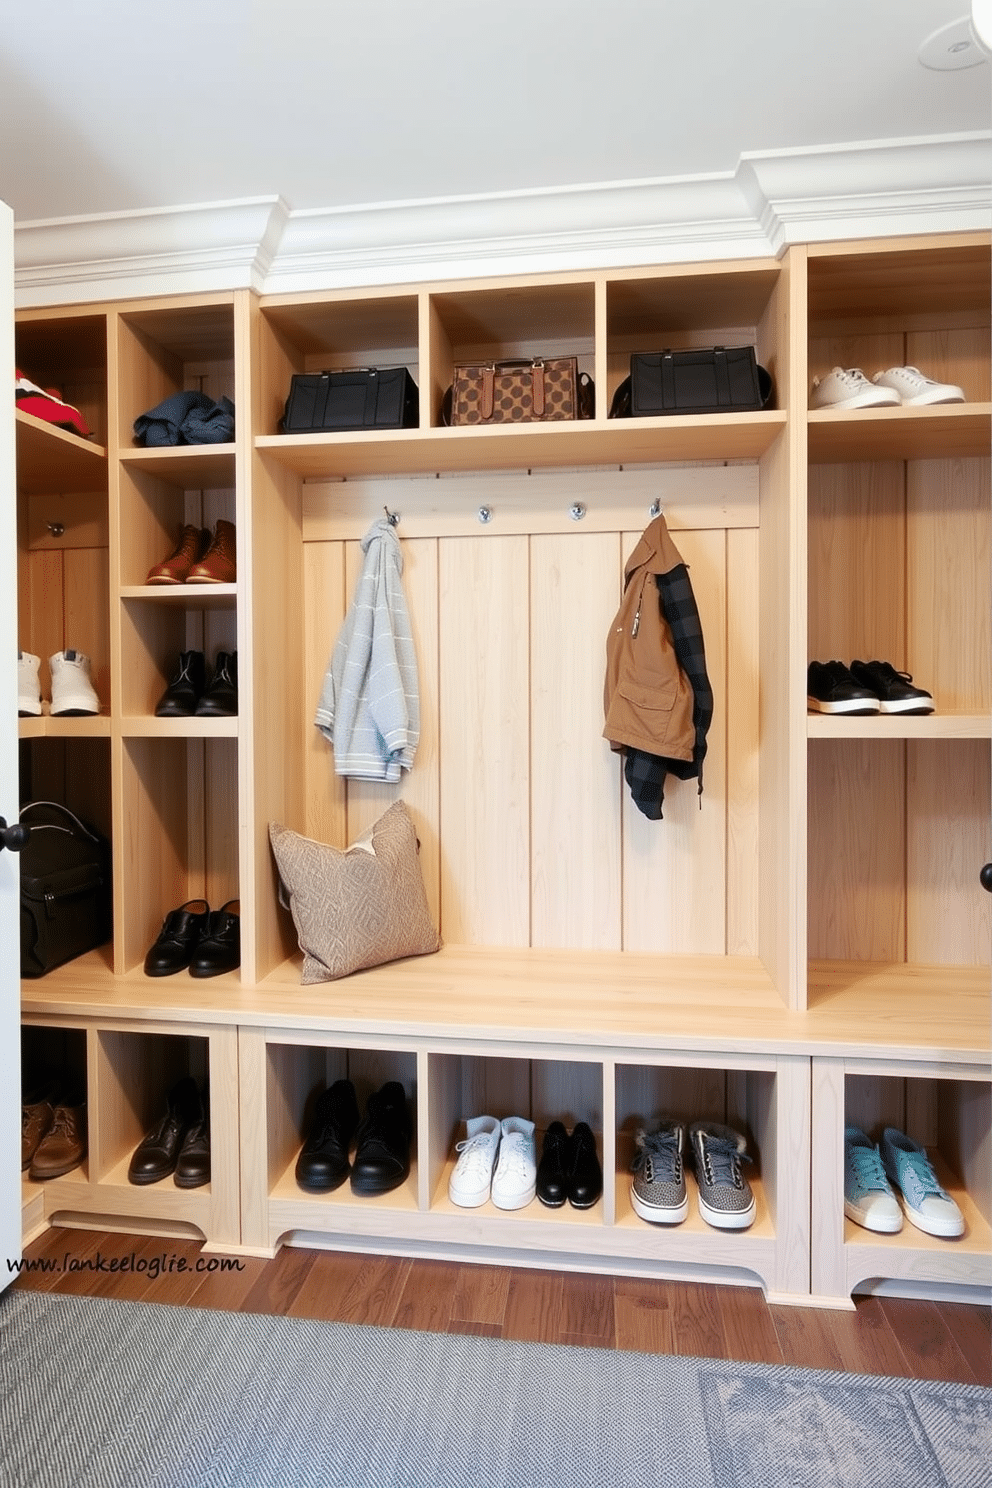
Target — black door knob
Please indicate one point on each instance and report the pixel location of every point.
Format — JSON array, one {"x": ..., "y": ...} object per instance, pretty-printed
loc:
[
  {"x": 13, "y": 837},
  {"x": 986, "y": 877}
]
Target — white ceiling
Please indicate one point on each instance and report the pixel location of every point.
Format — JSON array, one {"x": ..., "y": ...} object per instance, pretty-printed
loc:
[{"x": 113, "y": 106}]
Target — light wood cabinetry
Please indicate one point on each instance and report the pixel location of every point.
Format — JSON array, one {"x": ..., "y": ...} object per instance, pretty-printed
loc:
[{"x": 810, "y": 924}]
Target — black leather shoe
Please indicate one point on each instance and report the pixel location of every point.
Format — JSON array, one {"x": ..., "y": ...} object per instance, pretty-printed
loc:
[
  {"x": 382, "y": 1154},
  {"x": 219, "y": 948},
  {"x": 585, "y": 1176},
  {"x": 193, "y": 1162},
  {"x": 552, "y": 1181},
  {"x": 178, "y": 939},
  {"x": 180, "y": 698},
  {"x": 323, "y": 1162},
  {"x": 220, "y": 700},
  {"x": 156, "y": 1155}
]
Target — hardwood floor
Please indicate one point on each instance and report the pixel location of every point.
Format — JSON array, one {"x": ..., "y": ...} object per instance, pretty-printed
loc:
[{"x": 915, "y": 1339}]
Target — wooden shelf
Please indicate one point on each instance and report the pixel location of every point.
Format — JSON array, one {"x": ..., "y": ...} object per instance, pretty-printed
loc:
[
  {"x": 745, "y": 436},
  {"x": 51, "y": 460},
  {"x": 945, "y": 431},
  {"x": 190, "y": 467},
  {"x": 899, "y": 726},
  {"x": 149, "y": 727},
  {"x": 187, "y": 596},
  {"x": 47, "y": 727}
]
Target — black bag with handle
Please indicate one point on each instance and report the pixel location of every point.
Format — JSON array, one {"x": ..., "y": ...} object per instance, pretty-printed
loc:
[{"x": 65, "y": 888}]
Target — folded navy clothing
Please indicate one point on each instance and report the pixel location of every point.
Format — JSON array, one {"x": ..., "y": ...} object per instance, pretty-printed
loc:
[{"x": 187, "y": 418}]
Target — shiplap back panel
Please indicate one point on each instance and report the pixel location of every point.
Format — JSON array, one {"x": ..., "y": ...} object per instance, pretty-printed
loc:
[{"x": 528, "y": 834}]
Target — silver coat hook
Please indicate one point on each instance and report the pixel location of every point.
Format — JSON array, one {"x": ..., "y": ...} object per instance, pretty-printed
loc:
[
  {"x": 393, "y": 518},
  {"x": 655, "y": 509}
]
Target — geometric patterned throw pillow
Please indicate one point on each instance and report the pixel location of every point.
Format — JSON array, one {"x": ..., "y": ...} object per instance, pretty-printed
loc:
[{"x": 357, "y": 908}]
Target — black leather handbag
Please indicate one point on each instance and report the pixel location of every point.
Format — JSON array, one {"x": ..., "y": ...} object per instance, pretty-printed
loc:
[
  {"x": 361, "y": 398},
  {"x": 717, "y": 379},
  {"x": 65, "y": 888}
]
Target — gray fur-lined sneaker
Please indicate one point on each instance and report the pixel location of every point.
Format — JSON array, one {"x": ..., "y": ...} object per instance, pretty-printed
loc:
[
  {"x": 725, "y": 1198},
  {"x": 657, "y": 1189}
]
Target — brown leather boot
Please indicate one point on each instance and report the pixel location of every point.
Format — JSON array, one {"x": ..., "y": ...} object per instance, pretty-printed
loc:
[
  {"x": 218, "y": 565},
  {"x": 63, "y": 1146},
  {"x": 192, "y": 546}
]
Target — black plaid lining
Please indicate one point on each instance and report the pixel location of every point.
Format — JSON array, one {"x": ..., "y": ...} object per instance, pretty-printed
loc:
[{"x": 645, "y": 773}]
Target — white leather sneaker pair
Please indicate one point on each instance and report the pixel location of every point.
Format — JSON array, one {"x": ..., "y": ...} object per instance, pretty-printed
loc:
[
  {"x": 73, "y": 693},
  {"x": 848, "y": 387},
  {"x": 498, "y": 1161}
]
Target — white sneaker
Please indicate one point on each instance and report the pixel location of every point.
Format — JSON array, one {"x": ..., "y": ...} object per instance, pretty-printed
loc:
[
  {"x": 850, "y": 388},
  {"x": 472, "y": 1177},
  {"x": 915, "y": 390},
  {"x": 28, "y": 686},
  {"x": 515, "y": 1179},
  {"x": 73, "y": 694}
]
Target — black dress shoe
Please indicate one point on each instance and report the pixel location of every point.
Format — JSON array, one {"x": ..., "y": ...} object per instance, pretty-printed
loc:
[
  {"x": 220, "y": 699},
  {"x": 156, "y": 1155},
  {"x": 180, "y": 698},
  {"x": 178, "y": 939},
  {"x": 382, "y": 1153},
  {"x": 323, "y": 1162},
  {"x": 552, "y": 1180},
  {"x": 585, "y": 1176},
  {"x": 193, "y": 1162},
  {"x": 219, "y": 948}
]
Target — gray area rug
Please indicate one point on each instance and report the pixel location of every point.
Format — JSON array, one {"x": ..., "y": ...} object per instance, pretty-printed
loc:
[{"x": 99, "y": 1394}]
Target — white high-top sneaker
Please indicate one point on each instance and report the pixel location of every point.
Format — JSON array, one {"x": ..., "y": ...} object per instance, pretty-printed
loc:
[
  {"x": 73, "y": 694},
  {"x": 28, "y": 686}
]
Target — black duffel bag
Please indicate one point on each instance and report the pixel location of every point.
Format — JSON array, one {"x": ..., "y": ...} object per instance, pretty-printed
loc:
[
  {"x": 716, "y": 379},
  {"x": 362, "y": 398},
  {"x": 65, "y": 888}
]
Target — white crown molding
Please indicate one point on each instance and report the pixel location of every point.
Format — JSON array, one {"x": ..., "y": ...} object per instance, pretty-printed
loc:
[
  {"x": 890, "y": 187},
  {"x": 167, "y": 250}
]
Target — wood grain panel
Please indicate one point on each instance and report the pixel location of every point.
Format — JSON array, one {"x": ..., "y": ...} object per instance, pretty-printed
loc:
[
  {"x": 674, "y": 870},
  {"x": 324, "y": 604},
  {"x": 948, "y": 838},
  {"x": 949, "y": 562},
  {"x": 857, "y": 548},
  {"x": 743, "y": 736},
  {"x": 959, "y": 356},
  {"x": 857, "y": 833},
  {"x": 484, "y": 690},
  {"x": 575, "y": 786}
]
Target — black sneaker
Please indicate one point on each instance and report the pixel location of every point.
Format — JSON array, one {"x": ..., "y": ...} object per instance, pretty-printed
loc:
[
  {"x": 830, "y": 688},
  {"x": 894, "y": 690}
]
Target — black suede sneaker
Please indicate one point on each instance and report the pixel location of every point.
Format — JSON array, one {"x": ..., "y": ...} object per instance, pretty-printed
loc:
[
  {"x": 830, "y": 688},
  {"x": 894, "y": 690}
]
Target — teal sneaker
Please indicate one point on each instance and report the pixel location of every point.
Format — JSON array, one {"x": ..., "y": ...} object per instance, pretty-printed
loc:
[
  {"x": 928, "y": 1206},
  {"x": 868, "y": 1196}
]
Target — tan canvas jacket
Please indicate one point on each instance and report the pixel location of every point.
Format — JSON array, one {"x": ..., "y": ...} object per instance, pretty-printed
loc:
[{"x": 647, "y": 698}]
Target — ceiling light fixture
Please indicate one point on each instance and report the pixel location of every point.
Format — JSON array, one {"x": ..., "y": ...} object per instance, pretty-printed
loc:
[{"x": 952, "y": 48}]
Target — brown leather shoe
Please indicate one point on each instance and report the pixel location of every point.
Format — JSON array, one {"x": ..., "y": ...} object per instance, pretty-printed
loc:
[
  {"x": 63, "y": 1146},
  {"x": 218, "y": 565},
  {"x": 36, "y": 1118},
  {"x": 175, "y": 569}
]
